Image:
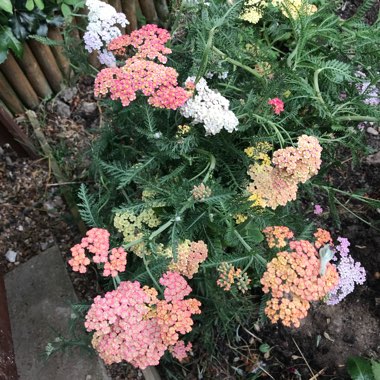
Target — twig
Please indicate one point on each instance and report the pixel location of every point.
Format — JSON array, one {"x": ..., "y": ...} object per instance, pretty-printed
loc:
[
  {"x": 65, "y": 183},
  {"x": 253, "y": 335},
  {"x": 317, "y": 374},
  {"x": 303, "y": 357}
]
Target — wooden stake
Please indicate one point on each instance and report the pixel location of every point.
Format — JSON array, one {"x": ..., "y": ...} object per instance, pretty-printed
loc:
[
  {"x": 19, "y": 82},
  {"x": 59, "y": 52},
  {"x": 162, "y": 11},
  {"x": 129, "y": 8},
  {"x": 149, "y": 11},
  {"x": 11, "y": 133},
  {"x": 48, "y": 64},
  {"x": 9, "y": 97},
  {"x": 34, "y": 73}
]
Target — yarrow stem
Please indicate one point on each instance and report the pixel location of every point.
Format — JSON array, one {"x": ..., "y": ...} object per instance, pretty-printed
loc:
[
  {"x": 158, "y": 287},
  {"x": 357, "y": 118},
  {"x": 237, "y": 63}
]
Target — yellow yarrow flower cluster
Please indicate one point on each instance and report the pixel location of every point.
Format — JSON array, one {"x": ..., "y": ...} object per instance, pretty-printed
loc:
[
  {"x": 294, "y": 8},
  {"x": 182, "y": 130},
  {"x": 131, "y": 226},
  {"x": 254, "y": 9},
  {"x": 240, "y": 218}
]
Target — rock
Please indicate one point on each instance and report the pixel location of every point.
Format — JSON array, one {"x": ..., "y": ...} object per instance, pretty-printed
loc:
[
  {"x": 20, "y": 228},
  {"x": 44, "y": 245},
  {"x": 88, "y": 108},
  {"x": 1, "y": 151},
  {"x": 11, "y": 256},
  {"x": 68, "y": 93},
  {"x": 373, "y": 159},
  {"x": 372, "y": 131},
  {"x": 62, "y": 109}
]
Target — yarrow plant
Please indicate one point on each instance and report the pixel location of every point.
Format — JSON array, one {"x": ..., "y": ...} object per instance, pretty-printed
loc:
[
  {"x": 351, "y": 273},
  {"x": 131, "y": 323},
  {"x": 140, "y": 73},
  {"x": 208, "y": 107},
  {"x": 293, "y": 279},
  {"x": 195, "y": 173},
  {"x": 303, "y": 274},
  {"x": 97, "y": 243},
  {"x": 278, "y": 184}
]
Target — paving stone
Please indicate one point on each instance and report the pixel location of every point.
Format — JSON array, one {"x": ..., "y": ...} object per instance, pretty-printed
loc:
[{"x": 39, "y": 294}]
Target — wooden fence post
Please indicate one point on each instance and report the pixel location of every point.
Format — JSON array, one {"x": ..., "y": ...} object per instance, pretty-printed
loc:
[
  {"x": 162, "y": 11},
  {"x": 34, "y": 73},
  {"x": 58, "y": 51},
  {"x": 149, "y": 11},
  {"x": 9, "y": 97},
  {"x": 129, "y": 8},
  {"x": 48, "y": 64},
  {"x": 19, "y": 82}
]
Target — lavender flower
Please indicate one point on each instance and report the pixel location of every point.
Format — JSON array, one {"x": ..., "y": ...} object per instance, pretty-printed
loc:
[
  {"x": 351, "y": 273},
  {"x": 318, "y": 210}
]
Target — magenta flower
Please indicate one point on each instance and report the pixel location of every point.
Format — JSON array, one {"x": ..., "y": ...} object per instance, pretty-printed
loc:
[
  {"x": 318, "y": 210},
  {"x": 277, "y": 105}
]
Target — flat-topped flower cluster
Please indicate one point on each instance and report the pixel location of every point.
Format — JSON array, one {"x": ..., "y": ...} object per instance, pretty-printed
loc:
[
  {"x": 140, "y": 72},
  {"x": 294, "y": 279},
  {"x": 97, "y": 243},
  {"x": 131, "y": 323},
  {"x": 208, "y": 107},
  {"x": 276, "y": 185}
]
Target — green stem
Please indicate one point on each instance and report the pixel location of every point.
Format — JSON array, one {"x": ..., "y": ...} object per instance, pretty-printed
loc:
[
  {"x": 242, "y": 241},
  {"x": 158, "y": 287},
  {"x": 357, "y": 118},
  {"x": 316, "y": 86},
  {"x": 237, "y": 63}
]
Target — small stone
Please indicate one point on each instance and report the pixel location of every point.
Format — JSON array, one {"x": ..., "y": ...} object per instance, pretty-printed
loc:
[
  {"x": 1, "y": 151},
  {"x": 68, "y": 93},
  {"x": 372, "y": 131},
  {"x": 62, "y": 109},
  {"x": 44, "y": 246},
  {"x": 88, "y": 108},
  {"x": 20, "y": 228},
  {"x": 374, "y": 159},
  {"x": 8, "y": 161},
  {"x": 11, "y": 256}
]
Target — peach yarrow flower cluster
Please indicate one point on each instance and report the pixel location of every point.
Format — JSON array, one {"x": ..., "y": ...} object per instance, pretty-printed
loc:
[
  {"x": 278, "y": 184},
  {"x": 97, "y": 243},
  {"x": 133, "y": 325},
  {"x": 294, "y": 280},
  {"x": 140, "y": 73},
  {"x": 189, "y": 256},
  {"x": 278, "y": 236}
]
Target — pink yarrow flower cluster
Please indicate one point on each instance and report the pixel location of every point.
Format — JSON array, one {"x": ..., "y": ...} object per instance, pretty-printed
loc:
[
  {"x": 132, "y": 324},
  {"x": 97, "y": 243},
  {"x": 140, "y": 73},
  {"x": 277, "y": 105}
]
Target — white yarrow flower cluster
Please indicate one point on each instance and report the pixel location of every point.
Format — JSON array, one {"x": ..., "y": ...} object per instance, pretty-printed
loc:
[
  {"x": 210, "y": 108},
  {"x": 101, "y": 28}
]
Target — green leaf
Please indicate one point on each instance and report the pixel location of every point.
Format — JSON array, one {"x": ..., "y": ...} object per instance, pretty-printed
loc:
[
  {"x": 265, "y": 347},
  {"x": 70, "y": 2},
  {"x": 252, "y": 233},
  {"x": 40, "y": 4},
  {"x": 9, "y": 41},
  {"x": 359, "y": 369},
  {"x": 6, "y": 6},
  {"x": 375, "y": 369},
  {"x": 29, "y": 5},
  {"x": 66, "y": 11}
]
